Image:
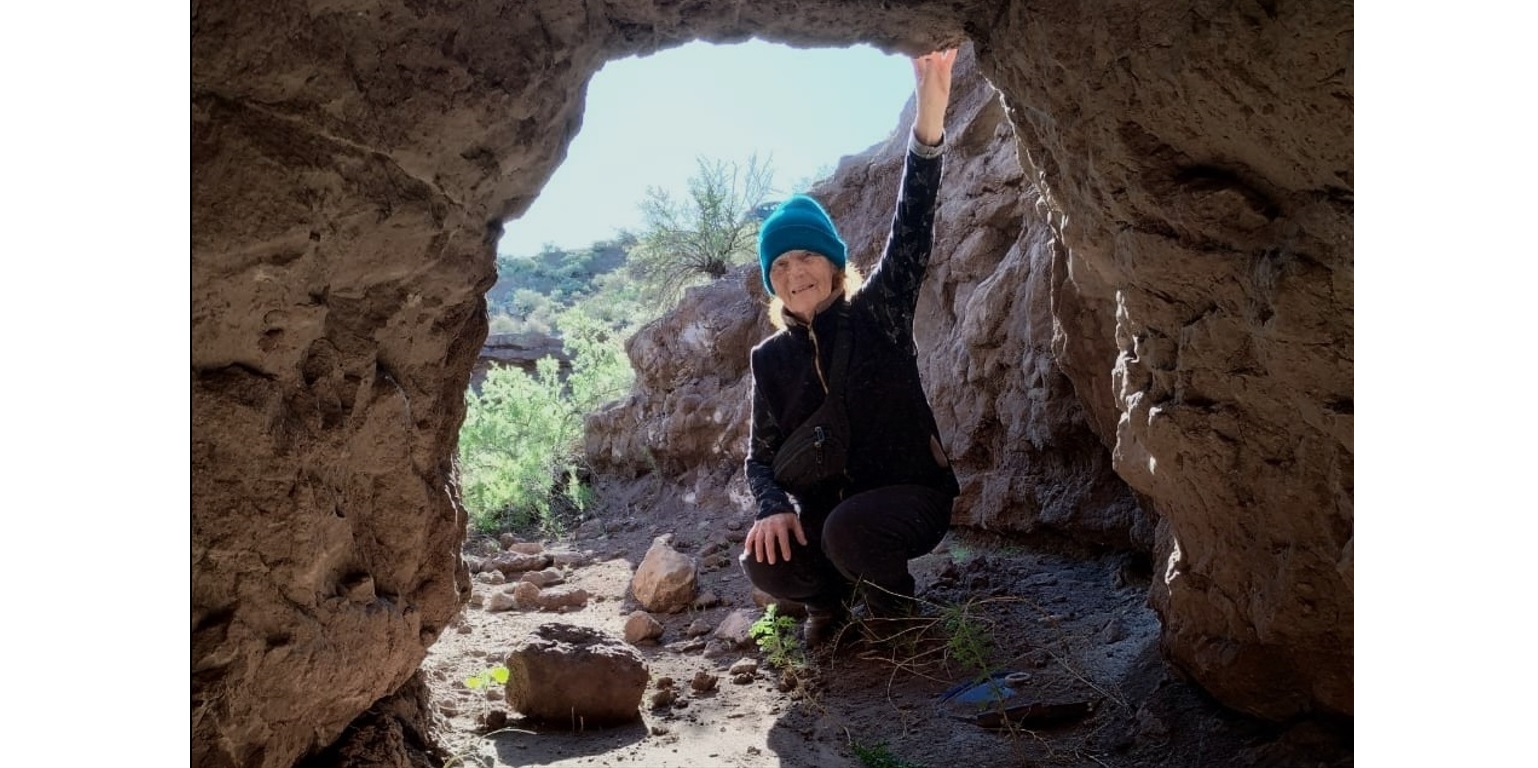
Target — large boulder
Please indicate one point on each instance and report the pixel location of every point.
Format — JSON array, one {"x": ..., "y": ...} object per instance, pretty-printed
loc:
[{"x": 576, "y": 676}]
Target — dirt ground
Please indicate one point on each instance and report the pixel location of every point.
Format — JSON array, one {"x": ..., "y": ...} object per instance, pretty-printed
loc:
[{"x": 1072, "y": 627}]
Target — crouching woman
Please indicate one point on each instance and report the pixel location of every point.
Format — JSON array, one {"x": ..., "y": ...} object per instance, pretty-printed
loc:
[{"x": 835, "y": 542}]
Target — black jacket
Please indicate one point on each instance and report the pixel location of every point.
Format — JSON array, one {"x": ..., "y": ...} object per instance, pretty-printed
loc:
[{"x": 894, "y": 439}]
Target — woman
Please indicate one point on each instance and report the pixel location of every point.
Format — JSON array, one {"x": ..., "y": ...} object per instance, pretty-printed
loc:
[{"x": 827, "y": 547}]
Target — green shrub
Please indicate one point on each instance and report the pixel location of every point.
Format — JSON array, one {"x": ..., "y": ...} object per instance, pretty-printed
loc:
[
  {"x": 501, "y": 322},
  {"x": 600, "y": 370},
  {"x": 514, "y": 443},
  {"x": 688, "y": 240},
  {"x": 520, "y": 447}
]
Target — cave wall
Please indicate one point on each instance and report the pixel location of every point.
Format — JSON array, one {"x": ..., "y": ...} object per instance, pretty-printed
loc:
[
  {"x": 351, "y": 161},
  {"x": 1197, "y": 162}
]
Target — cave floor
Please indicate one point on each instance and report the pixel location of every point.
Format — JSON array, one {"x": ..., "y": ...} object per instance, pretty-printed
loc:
[{"x": 1073, "y": 628}]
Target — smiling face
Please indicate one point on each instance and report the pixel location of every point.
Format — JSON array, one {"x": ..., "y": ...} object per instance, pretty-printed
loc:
[{"x": 803, "y": 280}]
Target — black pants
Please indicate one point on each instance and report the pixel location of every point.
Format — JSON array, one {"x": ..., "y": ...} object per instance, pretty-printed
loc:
[{"x": 867, "y": 539}]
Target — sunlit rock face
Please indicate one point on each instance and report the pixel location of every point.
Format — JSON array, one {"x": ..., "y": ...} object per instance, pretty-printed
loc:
[
  {"x": 690, "y": 406},
  {"x": 351, "y": 162}
]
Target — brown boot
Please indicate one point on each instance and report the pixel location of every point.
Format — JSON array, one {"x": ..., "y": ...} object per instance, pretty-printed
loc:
[{"x": 823, "y": 625}]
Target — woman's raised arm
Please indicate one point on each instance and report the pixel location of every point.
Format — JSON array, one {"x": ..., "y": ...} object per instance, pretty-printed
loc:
[{"x": 932, "y": 88}]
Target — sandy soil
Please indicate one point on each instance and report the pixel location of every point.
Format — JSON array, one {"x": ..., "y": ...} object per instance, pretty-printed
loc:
[{"x": 1071, "y": 625}]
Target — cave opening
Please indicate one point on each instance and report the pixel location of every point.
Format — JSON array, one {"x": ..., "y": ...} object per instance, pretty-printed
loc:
[
  {"x": 346, "y": 171},
  {"x": 652, "y": 128},
  {"x": 647, "y": 118}
]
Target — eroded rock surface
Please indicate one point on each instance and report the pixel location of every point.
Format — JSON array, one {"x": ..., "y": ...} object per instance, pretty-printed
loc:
[
  {"x": 690, "y": 405},
  {"x": 1196, "y": 161},
  {"x": 1193, "y": 161}
]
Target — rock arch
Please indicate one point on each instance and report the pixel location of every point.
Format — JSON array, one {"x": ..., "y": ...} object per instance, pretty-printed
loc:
[{"x": 351, "y": 160}]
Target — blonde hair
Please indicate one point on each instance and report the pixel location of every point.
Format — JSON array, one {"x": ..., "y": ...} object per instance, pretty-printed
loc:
[{"x": 850, "y": 281}]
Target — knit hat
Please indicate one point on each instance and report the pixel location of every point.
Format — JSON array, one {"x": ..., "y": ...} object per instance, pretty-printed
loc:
[{"x": 799, "y": 224}]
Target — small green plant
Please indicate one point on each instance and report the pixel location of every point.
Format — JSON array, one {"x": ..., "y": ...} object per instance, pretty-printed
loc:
[
  {"x": 776, "y": 637},
  {"x": 497, "y": 674},
  {"x": 967, "y": 640},
  {"x": 962, "y": 554},
  {"x": 879, "y": 756}
]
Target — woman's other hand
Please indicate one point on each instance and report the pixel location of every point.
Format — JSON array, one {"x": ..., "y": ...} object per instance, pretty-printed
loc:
[
  {"x": 772, "y": 533},
  {"x": 932, "y": 86}
]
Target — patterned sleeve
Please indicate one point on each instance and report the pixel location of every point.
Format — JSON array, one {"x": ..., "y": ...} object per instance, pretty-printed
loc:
[
  {"x": 894, "y": 285},
  {"x": 764, "y": 439}
]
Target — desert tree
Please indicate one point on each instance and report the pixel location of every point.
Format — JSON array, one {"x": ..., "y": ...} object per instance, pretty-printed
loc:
[{"x": 699, "y": 236}]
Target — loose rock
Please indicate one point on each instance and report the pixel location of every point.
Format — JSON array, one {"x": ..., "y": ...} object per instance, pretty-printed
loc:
[
  {"x": 715, "y": 648},
  {"x": 642, "y": 627},
  {"x": 575, "y": 676},
  {"x": 510, "y": 563},
  {"x": 562, "y": 598},
  {"x": 546, "y": 578},
  {"x": 736, "y": 628},
  {"x": 571, "y": 559},
  {"x": 665, "y": 580},
  {"x": 703, "y": 682},
  {"x": 525, "y": 596},
  {"x": 501, "y": 601}
]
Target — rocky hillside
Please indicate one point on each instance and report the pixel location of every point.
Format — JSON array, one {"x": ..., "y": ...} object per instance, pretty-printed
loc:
[{"x": 1187, "y": 171}]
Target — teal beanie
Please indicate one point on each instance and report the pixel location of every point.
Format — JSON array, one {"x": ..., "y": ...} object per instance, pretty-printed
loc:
[{"x": 799, "y": 224}]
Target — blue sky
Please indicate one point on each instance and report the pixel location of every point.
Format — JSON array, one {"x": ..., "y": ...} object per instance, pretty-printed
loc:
[{"x": 647, "y": 119}]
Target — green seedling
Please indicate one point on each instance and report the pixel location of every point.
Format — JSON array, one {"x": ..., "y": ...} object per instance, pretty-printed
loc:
[
  {"x": 497, "y": 674},
  {"x": 879, "y": 756},
  {"x": 776, "y": 638}
]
